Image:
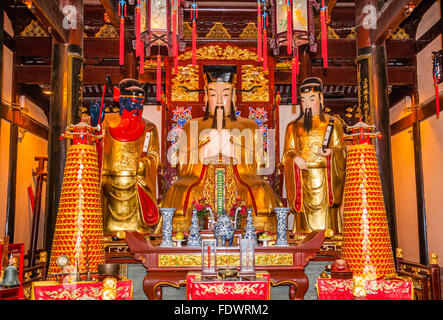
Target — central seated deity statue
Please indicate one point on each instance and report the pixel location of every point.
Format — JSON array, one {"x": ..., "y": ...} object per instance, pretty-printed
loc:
[{"x": 219, "y": 158}]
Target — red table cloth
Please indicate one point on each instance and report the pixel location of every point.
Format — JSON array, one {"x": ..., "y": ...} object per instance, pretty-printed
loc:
[
  {"x": 217, "y": 289},
  {"x": 91, "y": 290},
  {"x": 339, "y": 289}
]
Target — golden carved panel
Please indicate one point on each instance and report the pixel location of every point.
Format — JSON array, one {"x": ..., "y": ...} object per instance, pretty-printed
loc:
[
  {"x": 186, "y": 76},
  {"x": 230, "y": 189},
  {"x": 250, "y": 32},
  {"x": 187, "y": 31},
  {"x": 215, "y": 52},
  {"x": 251, "y": 77},
  {"x": 194, "y": 260},
  {"x": 218, "y": 32},
  {"x": 34, "y": 29},
  {"x": 107, "y": 31}
]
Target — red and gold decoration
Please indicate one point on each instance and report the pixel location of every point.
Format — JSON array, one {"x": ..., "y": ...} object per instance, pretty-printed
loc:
[
  {"x": 259, "y": 32},
  {"x": 80, "y": 215},
  {"x": 344, "y": 289},
  {"x": 93, "y": 290},
  {"x": 258, "y": 289},
  {"x": 366, "y": 240}
]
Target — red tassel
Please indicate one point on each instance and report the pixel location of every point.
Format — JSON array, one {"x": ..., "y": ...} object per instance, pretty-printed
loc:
[
  {"x": 122, "y": 41},
  {"x": 437, "y": 98},
  {"x": 137, "y": 31},
  {"x": 159, "y": 77},
  {"x": 297, "y": 60},
  {"x": 142, "y": 57},
  {"x": 289, "y": 17},
  {"x": 265, "y": 50},
  {"x": 259, "y": 32},
  {"x": 324, "y": 35},
  {"x": 174, "y": 39},
  {"x": 119, "y": 10},
  {"x": 294, "y": 81},
  {"x": 194, "y": 43},
  {"x": 125, "y": 11}
]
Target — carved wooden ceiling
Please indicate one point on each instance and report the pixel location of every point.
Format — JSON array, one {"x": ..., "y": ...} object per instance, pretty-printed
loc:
[{"x": 231, "y": 18}]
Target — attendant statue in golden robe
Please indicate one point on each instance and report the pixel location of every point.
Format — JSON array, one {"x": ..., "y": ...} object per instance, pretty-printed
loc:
[
  {"x": 129, "y": 165},
  {"x": 314, "y": 169},
  {"x": 218, "y": 159}
]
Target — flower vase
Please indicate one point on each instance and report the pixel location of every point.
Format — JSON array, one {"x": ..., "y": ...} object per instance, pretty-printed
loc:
[
  {"x": 168, "y": 214},
  {"x": 194, "y": 239},
  {"x": 250, "y": 228},
  {"x": 282, "y": 227}
]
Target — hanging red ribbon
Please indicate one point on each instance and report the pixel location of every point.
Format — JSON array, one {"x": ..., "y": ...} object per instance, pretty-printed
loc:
[
  {"x": 437, "y": 98},
  {"x": 289, "y": 35},
  {"x": 259, "y": 32},
  {"x": 137, "y": 29},
  {"x": 265, "y": 50},
  {"x": 324, "y": 35},
  {"x": 297, "y": 60},
  {"x": 142, "y": 57},
  {"x": 194, "y": 17},
  {"x": 159, "y": 77},
  {"x": 174, "y": 38},
  {"x": 294, "y": 81},
  {"x": 122, "y": 41}
]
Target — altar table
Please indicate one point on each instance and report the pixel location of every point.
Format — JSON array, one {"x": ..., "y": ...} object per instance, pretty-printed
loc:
[
  {"x": 169, "y": 266},
  {"x": 341, "y": 289},
  {"x": 87, "y": 290},
  {"x": 218, "y": 289}
]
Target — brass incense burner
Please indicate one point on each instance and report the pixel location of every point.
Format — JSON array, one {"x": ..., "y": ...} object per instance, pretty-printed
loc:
[{"x": 227, "y": 272}]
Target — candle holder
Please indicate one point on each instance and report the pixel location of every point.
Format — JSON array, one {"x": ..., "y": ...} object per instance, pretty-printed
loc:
[
  {"x": 195, "y": 238},
  {"x": 282, "y": 227},
  {"x": 209, "y": 258},
  {"x": 167, "y": 214}
]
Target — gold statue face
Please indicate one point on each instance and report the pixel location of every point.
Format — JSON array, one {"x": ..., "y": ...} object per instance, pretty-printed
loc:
[
  {"x": 313, "y": 100},
  {"x": 219, "y": 94}
]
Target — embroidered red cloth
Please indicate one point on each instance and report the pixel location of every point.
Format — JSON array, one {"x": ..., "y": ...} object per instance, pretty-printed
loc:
[
  {"x": 341, "y": 289},
  {"x": 52, "y": 290},
  {"x": 217, "y": 289}
]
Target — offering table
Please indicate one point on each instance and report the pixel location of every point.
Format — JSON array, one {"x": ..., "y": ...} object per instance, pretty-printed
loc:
[{"x": 169, "y": 266}]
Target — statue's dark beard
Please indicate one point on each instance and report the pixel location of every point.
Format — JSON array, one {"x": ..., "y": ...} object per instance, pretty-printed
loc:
[
  {"x": 307, "y": 121},
  {"x": 307, "y": 118},
  {"x": 232, "y": 116}
]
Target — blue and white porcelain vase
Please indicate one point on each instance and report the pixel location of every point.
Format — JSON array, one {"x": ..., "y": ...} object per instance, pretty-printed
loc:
[
  {"x": 224, "y": 228},
  {"x": 282, "y": 227},
  {"x": 250, "y": 229},
  {"x": 195, "y": 238},
  {"x": 167, "y": 214}
]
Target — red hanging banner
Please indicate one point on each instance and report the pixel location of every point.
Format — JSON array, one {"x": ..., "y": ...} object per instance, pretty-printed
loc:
[
  {"x": 324, "y": 34},
  {"x": 159, "y": 77},
  {"x": 294, "y": 81},
  {"x": 122, "y": 41},
  {"x": 174, "y": 38},
  {"x": 289, "y": 35},
  {"x": 137, "y": 29},
  {"x": 259, "y": 32},
  {"x": 437, "y": 98}
]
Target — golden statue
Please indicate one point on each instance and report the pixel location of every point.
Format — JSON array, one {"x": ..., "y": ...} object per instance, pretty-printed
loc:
[
  {"x": 129, "y": 165},
  {"x": 314, "y": 163},
  {"x": 216, "y": 159}
]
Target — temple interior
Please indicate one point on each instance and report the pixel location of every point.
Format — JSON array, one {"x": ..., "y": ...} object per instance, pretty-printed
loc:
[{"x": 168, "y": 149}]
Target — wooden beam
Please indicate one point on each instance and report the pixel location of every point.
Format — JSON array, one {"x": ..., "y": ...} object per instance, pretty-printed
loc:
[
  {"x": 24, "y": 122},
  {"x": 49, "y": 14},
  {"x": 390, "y": 17},
  {"x": 112, "y": 12},
  {"x": 34, "y": 93},
  {"x": 41, "y": 74}
]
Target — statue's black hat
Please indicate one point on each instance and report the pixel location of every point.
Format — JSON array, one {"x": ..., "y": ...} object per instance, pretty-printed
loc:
[
  {"x": 131, "y": 87},
  {"x": 312, "y": 84},
  {"x": 220, "y": 73}
]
